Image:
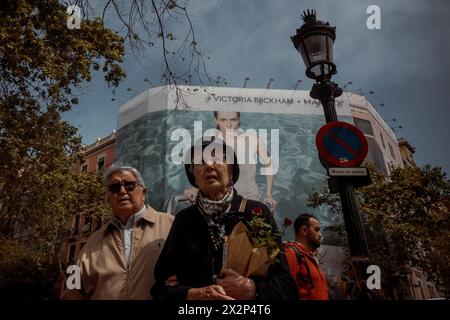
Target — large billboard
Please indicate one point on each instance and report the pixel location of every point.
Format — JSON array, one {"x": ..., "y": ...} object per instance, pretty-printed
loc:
[{"x": 275, "y": 128}]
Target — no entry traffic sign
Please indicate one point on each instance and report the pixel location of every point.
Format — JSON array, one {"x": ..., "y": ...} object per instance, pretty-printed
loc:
[{"x": 341, "y": 144}]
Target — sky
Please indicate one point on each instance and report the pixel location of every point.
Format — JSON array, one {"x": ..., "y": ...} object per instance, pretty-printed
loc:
[{"x": 405, "y": 63}]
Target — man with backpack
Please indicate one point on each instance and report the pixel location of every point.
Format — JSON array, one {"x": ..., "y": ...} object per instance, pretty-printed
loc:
[{"x": 302, "y": 260}]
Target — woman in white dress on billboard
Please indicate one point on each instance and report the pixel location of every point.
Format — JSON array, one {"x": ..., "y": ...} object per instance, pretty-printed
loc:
[{"x": 248, "y": 147}]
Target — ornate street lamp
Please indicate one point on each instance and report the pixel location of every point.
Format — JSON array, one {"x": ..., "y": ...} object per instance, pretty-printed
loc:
[{"x": 314, "y": 40}]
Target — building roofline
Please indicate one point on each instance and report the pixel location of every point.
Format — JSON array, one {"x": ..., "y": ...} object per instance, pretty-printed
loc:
[
  {"x": 361, "y": 102},
  {"x": 100, "y": 143},
  {"x": 404, "y": 142}
]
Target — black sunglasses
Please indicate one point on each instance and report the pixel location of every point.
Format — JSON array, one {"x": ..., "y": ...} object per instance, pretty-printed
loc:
[{"x": 128, "y": 185}]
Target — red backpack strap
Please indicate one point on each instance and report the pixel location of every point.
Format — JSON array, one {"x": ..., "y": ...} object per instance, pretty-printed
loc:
[{"x": 299, "y": 256}]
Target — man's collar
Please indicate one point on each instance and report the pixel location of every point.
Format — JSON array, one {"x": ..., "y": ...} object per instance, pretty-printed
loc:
[
  {"x": 147, "y": 213},
  {"x": 304, "y": 248},
  {"x": 133, "y": 219}
]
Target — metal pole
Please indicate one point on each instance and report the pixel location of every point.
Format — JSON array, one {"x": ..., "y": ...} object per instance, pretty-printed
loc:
[
  {"x": 353, "y": 224},
  {"x": 326, "y": 92}
]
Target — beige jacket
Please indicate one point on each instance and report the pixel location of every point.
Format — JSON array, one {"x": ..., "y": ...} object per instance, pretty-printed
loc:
[{"x": 104, "y": 274}]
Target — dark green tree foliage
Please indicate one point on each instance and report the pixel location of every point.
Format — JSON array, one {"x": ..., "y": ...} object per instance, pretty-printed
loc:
[
  {"x": 42, "y": 66},
  {"x": 407, "y": 221}
]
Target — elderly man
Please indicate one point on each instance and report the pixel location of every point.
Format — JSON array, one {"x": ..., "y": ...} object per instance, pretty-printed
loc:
[{"x": 117, "y": 261}]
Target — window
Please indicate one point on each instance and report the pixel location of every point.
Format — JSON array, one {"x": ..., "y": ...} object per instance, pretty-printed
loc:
[
  {"x": 98, "y": 224},
  {"x": 100, "y": 163},
  {"x": 430, "y": 291},
  {"x": 382, "y": 141},
  {"x": 87, "y": 224},
  {"x": 419, "y": 285},
  {"x": 364, "y": 125},
  {"x": 391, "y": 150},
  {"x": 71, "y": 254},
  {"x": 84, "y": 167},
  {"x": 375, "y": 156}
]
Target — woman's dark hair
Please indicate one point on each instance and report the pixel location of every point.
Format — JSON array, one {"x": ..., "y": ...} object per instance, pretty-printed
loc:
[{"x": 302, "y": 220}]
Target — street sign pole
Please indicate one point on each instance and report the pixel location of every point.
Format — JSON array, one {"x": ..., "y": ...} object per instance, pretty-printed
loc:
[
  {"x": 352, "y": 219},
  {"x": 326, "y": 92}
]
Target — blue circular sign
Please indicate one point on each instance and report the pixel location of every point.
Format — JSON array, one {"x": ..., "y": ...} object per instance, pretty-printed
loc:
[{"x": 341, "y": 144}]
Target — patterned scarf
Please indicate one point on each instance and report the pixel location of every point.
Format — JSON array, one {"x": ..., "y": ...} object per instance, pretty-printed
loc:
[{"x": 213, "y": 212}]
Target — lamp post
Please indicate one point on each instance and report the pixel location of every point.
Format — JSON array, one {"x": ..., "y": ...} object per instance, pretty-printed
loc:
[{"x": 314, "y": 41}]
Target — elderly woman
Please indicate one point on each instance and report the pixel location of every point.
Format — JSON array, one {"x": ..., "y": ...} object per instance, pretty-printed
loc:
[{"x": 190, "y": 264}]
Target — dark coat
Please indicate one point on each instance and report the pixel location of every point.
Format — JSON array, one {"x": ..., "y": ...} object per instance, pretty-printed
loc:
[{"x": 188, "y": 253}]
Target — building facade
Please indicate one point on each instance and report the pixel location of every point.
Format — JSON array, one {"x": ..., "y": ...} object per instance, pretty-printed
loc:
[
  {"x": 155, "y": 131},
  {"x": 420, "y": 288},
  {"x": 97, "y": 157},
  {"x": 384, "y": 151},
  {"x": 407, "y": 152}
]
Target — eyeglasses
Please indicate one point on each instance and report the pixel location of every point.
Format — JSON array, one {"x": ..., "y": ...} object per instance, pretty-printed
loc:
[{"x": 128, "y": 185}]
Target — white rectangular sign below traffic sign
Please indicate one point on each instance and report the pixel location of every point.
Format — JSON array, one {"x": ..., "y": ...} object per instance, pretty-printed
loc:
[{"x": 345, "y": 172}]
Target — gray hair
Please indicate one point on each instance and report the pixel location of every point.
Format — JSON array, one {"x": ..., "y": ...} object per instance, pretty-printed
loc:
[{"x": 117, "y": 168}]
